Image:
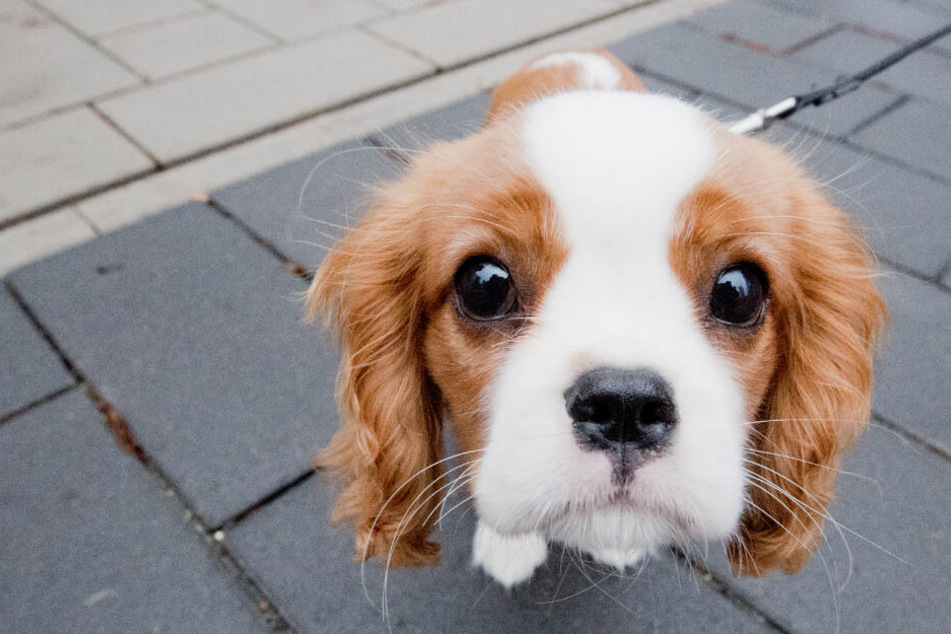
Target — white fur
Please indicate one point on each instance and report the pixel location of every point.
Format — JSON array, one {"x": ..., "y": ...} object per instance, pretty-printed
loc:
[
  {"x": 510, "y": 560},
  {"x": 616, "y": 166},
  {"x": 593, "y": 70}
]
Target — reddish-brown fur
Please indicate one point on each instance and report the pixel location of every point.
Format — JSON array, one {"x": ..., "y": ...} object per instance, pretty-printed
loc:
[{"x": 408, "y": 358}]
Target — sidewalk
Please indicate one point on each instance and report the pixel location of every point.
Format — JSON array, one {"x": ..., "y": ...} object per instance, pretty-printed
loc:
[{"x": 160, "y": 399}]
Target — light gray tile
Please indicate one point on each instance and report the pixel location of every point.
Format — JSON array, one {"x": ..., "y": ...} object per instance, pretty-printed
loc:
[
  {"x": 193, "y": 41},
  {"x": 294, "y": 19},
  {"x": 43, "y": 66},
  {"x": 211, "y": 107},
  {"x": 95, "y": 17},
  {"x": 89, "y": 545},
  {"x": 453, "y": 32},
  {"x": 60, "y": 156},
  {"x": 37, "y": 238}
]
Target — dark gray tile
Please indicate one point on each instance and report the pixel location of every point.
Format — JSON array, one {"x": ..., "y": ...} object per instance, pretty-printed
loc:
[
  {"x": 925, "y": 73},
  {"x": 842, "y": 116},
  {"x": 718, "y": 68},
  {"x": 309, "y": 571},
  {"x": 760, "y": 26},
  {"x": 193, "y": 332},
  {"x": 301, "y": 207},
  {"x": 903, "y": 215},
  {"x": 894, "y": 17},
  {"x": 917, "y": 133},
  {"x": 912, "y": 378},
  {"x": 449, "y": 123},
  {"x": 29, "y": 369},
  {"x": 88, "y": 543},
  {"x": 894, "y": 507}
]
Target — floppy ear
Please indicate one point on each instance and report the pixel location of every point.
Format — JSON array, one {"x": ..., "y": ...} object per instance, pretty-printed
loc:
[
  {"x": 391, "y": 434},
  {"x": 819, "y": 398},
  {"x": 561, "y": 72}
]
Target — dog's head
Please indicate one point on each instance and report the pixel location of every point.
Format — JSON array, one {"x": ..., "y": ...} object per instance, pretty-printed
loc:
[{"x": 642, "y": 328}]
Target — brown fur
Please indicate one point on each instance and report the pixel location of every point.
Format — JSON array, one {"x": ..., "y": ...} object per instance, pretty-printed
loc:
[{"x": 408, "y": 359}]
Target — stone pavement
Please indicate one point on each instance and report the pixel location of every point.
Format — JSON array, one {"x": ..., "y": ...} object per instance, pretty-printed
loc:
[{"x": 160, "y": 399}]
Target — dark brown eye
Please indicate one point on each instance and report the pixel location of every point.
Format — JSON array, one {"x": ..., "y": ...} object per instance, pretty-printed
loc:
[
  {"x": 484, "y": 289},
  {"x": 739, "y": 295}
]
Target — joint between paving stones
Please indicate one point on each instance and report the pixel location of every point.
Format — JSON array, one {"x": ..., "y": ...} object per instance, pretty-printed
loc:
[
  {"x": 273, "y": 496},
  {"x": 290, "y": 265},
  {"x": 52, "y": 396},
  {"x": 911, "y": 437},
  {"x": 116, "y": 424},
  {"x": 722, "y": 588},
  {"x": 881, "y": 114},
  {"x": 68, "y": 364}
]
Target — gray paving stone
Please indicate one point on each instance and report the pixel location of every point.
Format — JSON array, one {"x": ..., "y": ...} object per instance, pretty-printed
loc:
[
  {"x": 925, "y": 73},
  {"x": 899, "y": 503},
  {"x": 88, "y": 543},
  {"x": 302, "y": 206},
  {"x": 759, "y": 26},
  {"x": 911, "y": 380},
  {"x": 193, "y": 332},
  {"x": 29, "y": 369},
  {"x": 309, "y": 571},
  {"x": 904, "y": 215},
  {"x": 895, "y": 17},
  {"x": 716, "y": 67},
  {"x": 915, "y": 133},
  {"x": 449, "y": 123}
]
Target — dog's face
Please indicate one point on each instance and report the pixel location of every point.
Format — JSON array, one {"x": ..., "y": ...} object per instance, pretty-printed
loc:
[{"x": 643, "y": 329}]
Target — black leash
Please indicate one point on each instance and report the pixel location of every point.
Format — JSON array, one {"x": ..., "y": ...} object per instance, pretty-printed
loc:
[{"x": 762, "y": 119}]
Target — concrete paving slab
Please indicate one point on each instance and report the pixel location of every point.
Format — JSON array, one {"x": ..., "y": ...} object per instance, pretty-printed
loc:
[
  {"x": 901, "y": 19},
  {"x": 29, "y": 369},
  {"x": 894, "y": 516},
  {"x": 453, "y": 32},
  {"x": 294, "y": 19},
  {"x": 61, "y": 156},
  {"x": 211, "y": 107},
  {"x": 759, "y": 26},
  {"x": 925, "y": 73},
  {"x": 88, "y": 544},
  {"x": 191, "y": 42},
  {"x": 95, "y": 17},
  {"x": 309, "y": 571},
  {"x": 44, "y": 235},
  {"x": 913, "y": 133},
  {"x": 716, "y": 67},
  {"x": 449, "y": 123},
  {"x": 302, "y": 207},
  {"x": 911, "y": 380},
  {"x": 193, "y": 332},
  {"x": 903, "y": 215},
  {"x": 43, "y": 66},
  {"x": 843, "y": 116}
]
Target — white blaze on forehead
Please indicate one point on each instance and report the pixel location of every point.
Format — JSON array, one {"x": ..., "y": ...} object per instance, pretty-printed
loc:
[
  {"x": 594, "y": 71},
  {"x": 617, "y": 163}
]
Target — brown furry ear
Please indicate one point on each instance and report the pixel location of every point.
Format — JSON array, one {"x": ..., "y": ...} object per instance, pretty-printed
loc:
[
  {"x": 391, "y": 433},
  {"x": 532, "y": 82},
  {"x": 819, "y": 398}
]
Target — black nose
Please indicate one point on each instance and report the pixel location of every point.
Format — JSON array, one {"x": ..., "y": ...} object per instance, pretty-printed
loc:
[{"x": 614, "y": 408}]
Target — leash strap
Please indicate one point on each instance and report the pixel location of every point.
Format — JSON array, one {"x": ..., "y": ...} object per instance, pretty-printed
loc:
[{"x": 762, "y": 119}]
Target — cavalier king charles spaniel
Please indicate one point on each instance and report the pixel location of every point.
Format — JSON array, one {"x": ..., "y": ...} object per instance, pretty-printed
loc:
[{"x": 643, "y": 328}]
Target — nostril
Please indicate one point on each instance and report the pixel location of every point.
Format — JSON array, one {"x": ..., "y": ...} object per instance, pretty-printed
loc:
[{"x": 657, "y": 411}]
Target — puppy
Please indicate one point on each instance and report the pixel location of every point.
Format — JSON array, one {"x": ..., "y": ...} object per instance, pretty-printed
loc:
[{"x": 643, "y": 329}]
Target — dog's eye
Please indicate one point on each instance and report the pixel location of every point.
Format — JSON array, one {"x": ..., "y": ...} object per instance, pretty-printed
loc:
[
  {"x": 484, "y": 289},
  {"x": 739, "y": 295}
]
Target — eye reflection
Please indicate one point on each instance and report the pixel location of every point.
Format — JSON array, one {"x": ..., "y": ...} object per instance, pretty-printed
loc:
[
  {"x": 739, "y": 295},
  {"x": 484, "y": 289}
]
